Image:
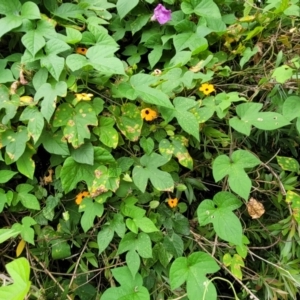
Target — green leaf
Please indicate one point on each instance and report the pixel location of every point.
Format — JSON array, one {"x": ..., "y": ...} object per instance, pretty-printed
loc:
[
  {"x": 104, "y": 237},
  {"x": 60, "y": 249},
  {"x": 118, "y": 225},
  {"x": 180, "y": 59},
  {"x": 25, "y": 163},
  {"x": 25, "y": 229},
  {"x": 186, "y": 119},
  {"x": 247, "y": 54},
  {"x": 33, "y": 41},
  {"x": 131, "y": 288},
  {"x": 249, "y": 115},
  {"x": 6, "y": 175},
  {"x": 8, "y": 23},
  {"x": 75, "y": 121},
  {"x": 145, "y": 224},
  {"x": 179, "y": 272},
  {"x": 107, "y": 133},
  {"x": 173, "y": 244},
  {"x": 237, "y": 177},
  {"x": 6, "y": 76},
  {"x": 54, "y": 64},
  {"x": 49, "y": 209},
  {"x": 161, "y": 180},
  {"x": 147, "y": 144},
  {"x": 91, "y": 210},
  {"x": 291, "y": 108},
  {"x": 55, "y": 143},
  {"x": 28, "y": 200},
  {"x": 101, "y": 58},
  {"x": 76, "y": 62},
  {"x": 73, "y": 36},
  {"x": 193, "y": 270},
  {"x": 282, "y": 74},
  {"x": 39, "y": 78},
  {"x": 6, "y": 234},
  {"x": 124, "y": 7},
  {"x": 73, "y": 172},
  {"x": 191, "y": 41},
  {"x": 30, "y": 11},
  {"x": 143, "y": 245},
  {"x": 240, "y": 126},
  {"x": 35, "y": 121},
  {"x": 49, "y": 94},
  {"x": 155, "y": 55},
  {"x": 133, "y": 262},
  {"x": 219, "y": 212},
  {"x": 84, "y": 154},
  {"x": 140, "y": 83},
  {"x": 10, "y": 7},
  {"x": 19, "y": 270},
  {"x": 128, "y": 243}
]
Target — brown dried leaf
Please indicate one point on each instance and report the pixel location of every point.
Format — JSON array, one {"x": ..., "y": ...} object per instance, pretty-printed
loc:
[
  {"x": 48, "y": 179},
  {"x": 255, "y": 209}
]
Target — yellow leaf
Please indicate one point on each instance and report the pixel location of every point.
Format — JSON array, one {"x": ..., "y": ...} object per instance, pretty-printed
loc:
[
  {"x": 20, "y": 248},
  {"x": 26, "y": 100}
]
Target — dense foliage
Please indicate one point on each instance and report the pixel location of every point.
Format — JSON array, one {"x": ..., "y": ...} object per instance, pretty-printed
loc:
[{"x": 149, "y": 150}]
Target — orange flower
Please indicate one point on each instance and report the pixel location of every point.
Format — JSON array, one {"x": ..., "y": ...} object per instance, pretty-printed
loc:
[
  {"x": 81, "y": 196},
  {"x": 148, "y": 114},
  {"x": 172, "y": 202},
  {"x": 81, "y": 50},
  {"x": 207, "y": 88}
]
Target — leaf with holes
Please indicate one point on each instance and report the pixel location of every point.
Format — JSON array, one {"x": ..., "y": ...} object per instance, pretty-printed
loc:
[{"x": 249, "y": 115}]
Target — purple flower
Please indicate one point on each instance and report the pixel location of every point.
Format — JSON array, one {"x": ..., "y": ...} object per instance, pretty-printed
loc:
[{"x": 161, "y": 14}]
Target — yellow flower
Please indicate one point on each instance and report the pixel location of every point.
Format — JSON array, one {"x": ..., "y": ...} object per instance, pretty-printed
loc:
[
  {"x": 148, "y": 114},
  {"x": 207, "y": 88},
  {"x": 172, "y": 202},
  {"x": 81, "y": 196},
  {"x": 84, "y": 96}
]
